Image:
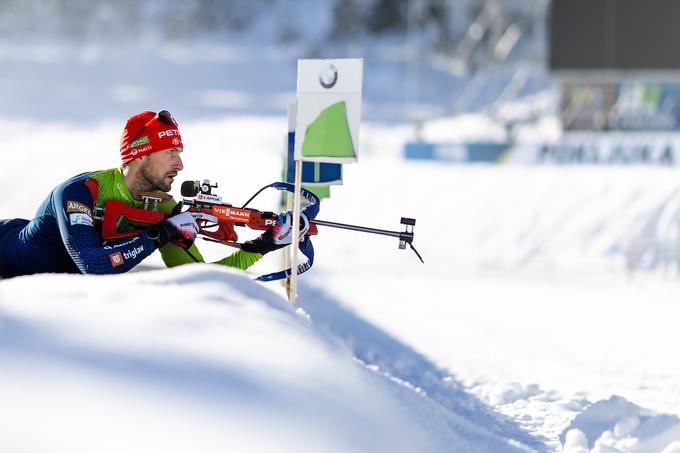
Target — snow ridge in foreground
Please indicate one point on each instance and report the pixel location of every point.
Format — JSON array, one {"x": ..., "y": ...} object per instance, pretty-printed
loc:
[{"x": 198, "y": 357}]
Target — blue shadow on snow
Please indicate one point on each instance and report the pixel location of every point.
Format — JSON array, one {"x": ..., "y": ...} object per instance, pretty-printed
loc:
[{"x": 376, "y": 347}]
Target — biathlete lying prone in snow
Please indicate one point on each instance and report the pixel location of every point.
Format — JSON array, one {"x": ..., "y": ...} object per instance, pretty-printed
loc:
[{"x": 65, "y": 236}]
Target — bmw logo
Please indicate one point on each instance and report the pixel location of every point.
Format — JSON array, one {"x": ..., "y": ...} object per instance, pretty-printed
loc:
[{"x": 328, "y": 76}]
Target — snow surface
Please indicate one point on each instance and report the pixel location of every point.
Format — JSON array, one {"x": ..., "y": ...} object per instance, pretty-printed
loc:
[
  {"x": 535, "y": 295},
  {"x": 525, "y": 324},
  {"x": 197, "y": 358}
]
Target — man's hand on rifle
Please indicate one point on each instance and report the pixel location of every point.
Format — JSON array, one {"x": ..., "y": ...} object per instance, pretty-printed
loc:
[
  {"x": 282, "y": 232},
  {"x": 181, "y": 228},
  {"x": 278, "y": 236}
]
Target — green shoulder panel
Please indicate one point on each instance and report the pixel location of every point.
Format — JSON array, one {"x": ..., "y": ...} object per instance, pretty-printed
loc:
[{"x": 112, "y": 187}]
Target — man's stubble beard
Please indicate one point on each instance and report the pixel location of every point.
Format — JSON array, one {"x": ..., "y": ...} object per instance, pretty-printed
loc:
[{"x": 150, "y": 181}]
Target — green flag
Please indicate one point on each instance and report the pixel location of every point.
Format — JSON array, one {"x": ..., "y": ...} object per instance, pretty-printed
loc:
[{"x": 328, "y": 135}]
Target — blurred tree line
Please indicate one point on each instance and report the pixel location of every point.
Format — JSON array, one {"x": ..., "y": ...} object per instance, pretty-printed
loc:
[
  {"x": 92, "y": 19},
  {"x": 444, "y": 24}
]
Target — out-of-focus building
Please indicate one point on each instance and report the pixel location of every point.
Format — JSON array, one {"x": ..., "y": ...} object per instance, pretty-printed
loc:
[{"x": 618, "y": 62}]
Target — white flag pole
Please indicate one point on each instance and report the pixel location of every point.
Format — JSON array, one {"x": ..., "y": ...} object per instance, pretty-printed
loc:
[
  {"x": 328, "y": 105},
  {"x": 292, "y": 289},
  {"x": 296, "y": 231},
  {"x": 288, "y": 196}
]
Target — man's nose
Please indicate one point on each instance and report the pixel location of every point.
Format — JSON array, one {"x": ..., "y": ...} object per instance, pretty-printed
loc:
[{"x": 178, "y": 163}]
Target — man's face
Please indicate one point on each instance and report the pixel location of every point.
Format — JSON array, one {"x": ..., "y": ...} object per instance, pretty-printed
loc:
[{"x": 159, "y": 169}]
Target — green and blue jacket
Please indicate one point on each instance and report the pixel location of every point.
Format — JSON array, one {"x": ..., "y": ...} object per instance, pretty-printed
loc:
[{"x": 64, "y": 235}]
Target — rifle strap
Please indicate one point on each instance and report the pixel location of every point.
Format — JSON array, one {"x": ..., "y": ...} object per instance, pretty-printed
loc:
[
  {"x": 307, "y": 249},
  {"x": 305, "y": 246}
]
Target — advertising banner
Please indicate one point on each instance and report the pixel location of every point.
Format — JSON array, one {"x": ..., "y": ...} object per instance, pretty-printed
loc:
[
  {"x": 574, "y": 148},
  {"x": 625, "y": 106}
]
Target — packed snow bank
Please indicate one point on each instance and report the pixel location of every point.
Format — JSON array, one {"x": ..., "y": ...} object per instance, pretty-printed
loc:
[
  {"x": 618, "y": 425},
  {"x": 574, "y": 219},
  {"x": 195, "y": 358}
]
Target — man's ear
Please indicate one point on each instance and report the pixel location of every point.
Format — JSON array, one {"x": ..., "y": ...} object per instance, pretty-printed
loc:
[{"x": 133, "y": 165}]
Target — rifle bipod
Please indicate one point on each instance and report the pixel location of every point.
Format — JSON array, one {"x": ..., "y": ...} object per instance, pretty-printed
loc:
[{"x": 405, "y": 237}]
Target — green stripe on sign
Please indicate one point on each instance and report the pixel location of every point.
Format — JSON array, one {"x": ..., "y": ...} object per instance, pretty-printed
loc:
[
  {"x": 320, "y": 191},
  {"x": 328, "y": 135}
]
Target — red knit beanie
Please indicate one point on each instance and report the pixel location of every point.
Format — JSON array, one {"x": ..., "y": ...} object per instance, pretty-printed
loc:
[{"x": 147, "y": 133}]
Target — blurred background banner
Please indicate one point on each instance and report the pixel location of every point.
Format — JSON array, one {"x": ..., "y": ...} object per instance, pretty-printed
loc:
[
  {"x": 458, "y": 152},
  {"x": 590, "y": 148},
  {"x": 585, "y": 148},
  {"x": 628, "y": 105}
]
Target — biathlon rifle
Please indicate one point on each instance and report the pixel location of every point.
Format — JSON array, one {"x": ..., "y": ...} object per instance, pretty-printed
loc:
[{"x": 217, "y": 220}]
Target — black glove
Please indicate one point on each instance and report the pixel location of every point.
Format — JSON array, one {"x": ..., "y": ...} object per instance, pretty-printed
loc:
[{"x": 181, "y": 228}]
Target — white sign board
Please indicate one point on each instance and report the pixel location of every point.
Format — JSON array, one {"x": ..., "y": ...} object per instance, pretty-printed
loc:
[{"x": 328, "y": 110}]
